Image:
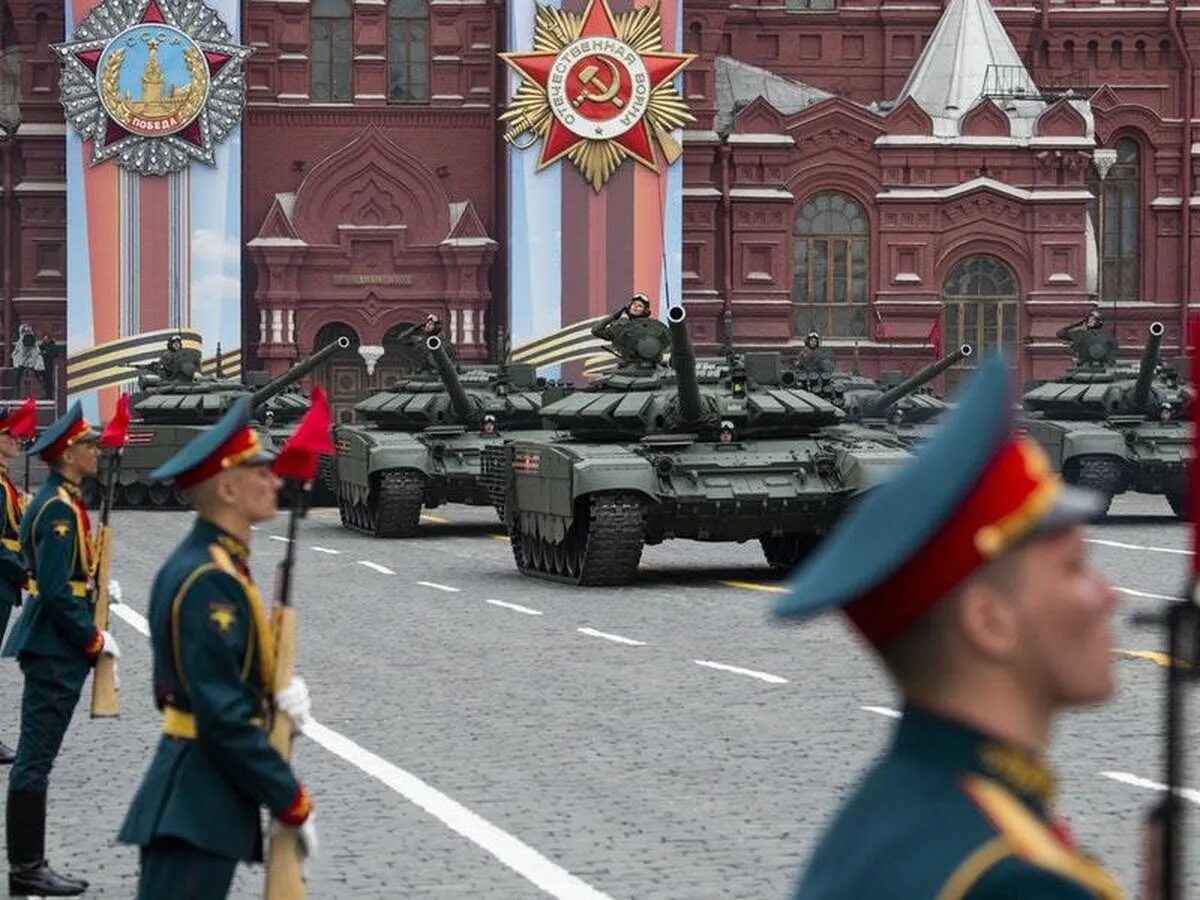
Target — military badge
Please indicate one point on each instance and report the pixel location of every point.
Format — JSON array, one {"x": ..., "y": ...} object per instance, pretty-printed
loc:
[
  {"x": 597, "y": 89},
  {"x": 222, "y": 615},
  {"x": 61, "y": 528},
  {"x": 153, "y": 84}
]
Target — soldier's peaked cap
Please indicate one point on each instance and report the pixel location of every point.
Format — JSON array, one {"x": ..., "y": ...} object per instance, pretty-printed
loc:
[
  {"x": 229, "y": 443},
  {"x": 974, "y": 491},
  {"x": 67, "y": 430}
]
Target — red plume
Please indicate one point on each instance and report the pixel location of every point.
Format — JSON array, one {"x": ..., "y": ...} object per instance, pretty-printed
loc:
[
  {"x": 117, "y": 427},
  {"x": 935, "y": 337},
  {"x": 313, "y": 437},
  {"x": 23, "y": 421}
]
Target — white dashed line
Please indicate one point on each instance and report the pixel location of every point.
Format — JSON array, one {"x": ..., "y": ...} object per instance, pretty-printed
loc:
[
  {"x": 132, "y": 617},
  {"x": 376, "y": 566},
  {"x": 761, "y": 676},
  {"x": 1132, "y": 593},
  {"x": 1137, "y": 781},
  {"x": 327, "y": 550},
  {"x": 882, "y": 711},
  {"x": 1121, "y": 545},
  {"x": 438, "y": 587},
  {"x": 283, "y": 540},
  {"x": 615, "y": 638},
  {"x": 516, "y": 607}
]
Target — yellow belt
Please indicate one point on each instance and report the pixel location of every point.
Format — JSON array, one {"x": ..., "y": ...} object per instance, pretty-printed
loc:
[
  {"x": 180, "y": 724},
  {"x": 12, "y": 544},
  {"x": 78, "y": 588}
]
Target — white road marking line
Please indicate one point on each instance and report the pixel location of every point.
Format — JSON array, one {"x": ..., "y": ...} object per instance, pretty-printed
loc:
[
  {"x": 254, "y": 528},
  {"x": 516, "y": 607},
  {"x": 1132, "y": 593},
  {"x": 615, "y": 638},
  {"x": 276, "y": 537},
  {"x": 1121, "y": 545},
  {"x": 326, "y": 550},
  {"x": 518, "y": 856},
  {"x": 1137, "y": 781},
  {"x": 438, "y": 587},
  {"x": 882, "y": 711},
  {"x": 376, "y": 566},
  {"x": 761, "y": 676}
]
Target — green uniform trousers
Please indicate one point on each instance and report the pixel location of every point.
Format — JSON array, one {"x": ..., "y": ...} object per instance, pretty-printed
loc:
[
  {"x": 52, "y": 687},
  {"x": 172, "y": 869}
]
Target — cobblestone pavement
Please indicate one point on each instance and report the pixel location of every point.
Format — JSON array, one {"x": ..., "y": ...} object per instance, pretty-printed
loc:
[{"x": 661, "y": 740}]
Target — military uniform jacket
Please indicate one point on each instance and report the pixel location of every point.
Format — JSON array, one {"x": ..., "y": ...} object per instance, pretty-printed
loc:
[
  {"x": 207, "y": 630},
  {"x": 56, "y": 545},
  {"x": 12, "y": 564},
  {"x": 949, "y": 814}
]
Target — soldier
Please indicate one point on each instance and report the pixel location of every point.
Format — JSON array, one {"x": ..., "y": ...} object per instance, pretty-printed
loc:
[
  {"x": 726, "y": 434},
  {"x": 1165, "y": 412},
  {"x": 814, "y": 357},
  {"x": 12, "y": 564},
  {"x": 196, "y": 813},
  {"x": 488, "y": 427},
  {"x": 1090, "y": 344},
  {"x": 55, "y": 642},
  {"x": 638, "y": 307},
  {"x": 976, "y": 593}
]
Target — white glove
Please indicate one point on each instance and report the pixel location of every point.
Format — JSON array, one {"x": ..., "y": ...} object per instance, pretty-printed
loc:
[
  {"x": 110, "y": 645},
  {"x": 307, "y": 833},
  {"x": 294, "y": 702},
  {"x": 114, "y": 591}
]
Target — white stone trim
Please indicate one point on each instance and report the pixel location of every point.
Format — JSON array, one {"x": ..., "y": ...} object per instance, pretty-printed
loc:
[
  {"x": 276, "y": 242},
  {"x": 701, "y": 193},
  {"x": 763, "y": 140},
  {"x": 468, "y": 326},
  {"x": 1166, "y": 202},
  {"x": 447, "y": 97},
  {"x": 46, "y": 187},
  {"x": 369, "y": 57},
  {"x": 447, "y": 57},
  {"x": 276, "y": 326},
  {"x": 1060, "y": 278},
  {"x": 926, "y": 140},
  {"x": 946, "y": 193},
  {"x": 370, "y": 96},
  {"x": 761, "y": 194},
  {"x": 907, "y": 278},
  {"x": 469, "y": 242},
  {"x": 293, "y": 56},
  {"x": 701, "y": 137},
  {"x": 35, "y": 129},
  {"x": 292, "y": 97}
]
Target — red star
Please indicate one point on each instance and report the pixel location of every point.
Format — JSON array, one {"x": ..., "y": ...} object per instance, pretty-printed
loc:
[{"x": 598, "y": 23}]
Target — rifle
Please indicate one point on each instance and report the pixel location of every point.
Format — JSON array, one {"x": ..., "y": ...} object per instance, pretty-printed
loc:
[{"x": 104, "y": 679}]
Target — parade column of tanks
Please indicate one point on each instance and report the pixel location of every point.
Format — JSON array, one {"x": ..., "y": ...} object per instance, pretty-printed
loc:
[
  {"x": 422, "y": 442},
  {"x": 1113, "y": 428},
  {"x": 168, "y": 413},
  {"x": 641, "y": 461}
]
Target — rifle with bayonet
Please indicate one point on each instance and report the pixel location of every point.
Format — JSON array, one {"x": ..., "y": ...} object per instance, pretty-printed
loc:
[{"x": 104, "y": 678}]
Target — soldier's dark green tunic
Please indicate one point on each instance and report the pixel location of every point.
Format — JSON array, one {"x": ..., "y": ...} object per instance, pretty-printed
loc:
[
  {"x": 54, "y": 638},
  {"x": 12, "y": 564},
  {"x": 948, "y": 813},
  {"x": 197, "y": 810}
]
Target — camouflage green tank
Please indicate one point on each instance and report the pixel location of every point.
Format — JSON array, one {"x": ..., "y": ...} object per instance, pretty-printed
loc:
[
  {"x": 1114, "y": 428},
  {"x": 649, "y": 453},
  {"x": 421, "y": 440}
]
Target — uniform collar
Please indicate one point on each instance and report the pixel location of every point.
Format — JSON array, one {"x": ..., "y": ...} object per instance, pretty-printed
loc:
[
  {"x": 57, "y": 480},
  {"x": 214, "y": 534},
  {"x": 932, "y": 738}
]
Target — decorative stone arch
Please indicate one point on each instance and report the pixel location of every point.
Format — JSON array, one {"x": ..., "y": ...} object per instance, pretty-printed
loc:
[
  {"x": 343, "y": 375},
  {"x": 1061, "y": 119},
  {"x": 909, "y": 118},
  {"x": 985, "y": 119},
  {"x": 833, "y": 298},
  {"x": 981, "y": 296},
  {"x": 1009, "y": 249}
]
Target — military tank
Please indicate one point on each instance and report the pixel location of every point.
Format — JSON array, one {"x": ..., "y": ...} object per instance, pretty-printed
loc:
[
  {"x": 422, "y": 440},
  {"x": 1114, "y": 428},
  {"x": 643, "y": 456},
  {"x": 166, "y": 414}
]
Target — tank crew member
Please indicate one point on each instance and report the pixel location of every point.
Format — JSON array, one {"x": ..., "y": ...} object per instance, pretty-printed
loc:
[
  {"x": 1165, "y": 412},
  {"x": 12, "y": 565},
  {"x": 196, "y": 813},
  {"x": 55, "y": 641},
  {"x": 977, "y": 595},
  {"x": 814, "y": 357},
  {"x": 726, "y": 435},
  {"x": 897, "y": 416},
  {"x": 489, "y": 425},
  {"x": 1090, "y": 343},
  {"x": 638, "y": 307}
]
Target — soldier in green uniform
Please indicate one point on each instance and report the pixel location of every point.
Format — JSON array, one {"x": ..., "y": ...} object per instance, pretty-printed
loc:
[
  {"x": 814, "y": 357},
  {"x": 1090, "y": 344},
  {"x": 196, "y": 813},
  {"x": 56, "y": 643},
  {"x": 638, "y": 307},
  {"x": 968, "y": 575},
  {"x": 12, "y": 564}
]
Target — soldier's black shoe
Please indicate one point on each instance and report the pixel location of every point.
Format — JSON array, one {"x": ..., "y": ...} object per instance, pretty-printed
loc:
[
  {"x": 7, "y": 754},
  {"x": 42, "y": 881}
]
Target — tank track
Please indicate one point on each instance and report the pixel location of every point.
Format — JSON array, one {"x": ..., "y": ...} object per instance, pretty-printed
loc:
[
  {"x": 603, "y": 548},
  {"x": 1179, "y": 503},
  {"x": 135, "y": 495},
  {"x": 397, "y": 509},
  {"x": 1102, "y": 474},
  {"x": 784, "y": 552}
]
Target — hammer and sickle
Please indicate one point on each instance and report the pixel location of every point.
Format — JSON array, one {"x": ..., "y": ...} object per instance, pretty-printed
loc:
[{"x": 607, "y": 92}]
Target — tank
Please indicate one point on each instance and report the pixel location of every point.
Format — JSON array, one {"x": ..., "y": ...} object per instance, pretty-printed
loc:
[
  {"x": 168, "y": 413},
  {"x": 418, "y": 443},
  {"x": 1115, "y": 428},
  {"x": 639, "y": 458}
]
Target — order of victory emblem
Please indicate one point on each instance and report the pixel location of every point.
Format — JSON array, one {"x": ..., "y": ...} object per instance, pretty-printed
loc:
[
  {"x": 597, "y": 89},
  {"x": 153, "y": 84}
]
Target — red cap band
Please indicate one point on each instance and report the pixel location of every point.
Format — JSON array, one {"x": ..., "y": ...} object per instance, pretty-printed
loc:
[
  {"x": 235, "y": 451},
  {"x": 74, "y": 433}
]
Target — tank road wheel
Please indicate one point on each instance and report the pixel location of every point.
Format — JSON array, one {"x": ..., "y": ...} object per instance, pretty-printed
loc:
[
  {"x": 784, "y": 552},
  {"x": 1179, "y": 503},
  {"x": 160, "y": 495},
  {"x": 136, "y": 495},
  {"x": 611, "y": 549},
  {"x": 1102, "y": 474},
  {"x": 397, "y": 508}
]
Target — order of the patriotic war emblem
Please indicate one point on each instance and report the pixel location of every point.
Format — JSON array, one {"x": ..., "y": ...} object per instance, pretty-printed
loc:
[
  {"x": 153, "y": 84},
  {"x": 598, "y": 89}
]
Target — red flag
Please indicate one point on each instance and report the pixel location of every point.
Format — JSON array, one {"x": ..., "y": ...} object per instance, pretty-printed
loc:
[
  {"x": 114, "y": 432},
  {"x": 313, "y": 437},
  {"x": 935, "y": 337},
  {"x": 24, "y": 420}
]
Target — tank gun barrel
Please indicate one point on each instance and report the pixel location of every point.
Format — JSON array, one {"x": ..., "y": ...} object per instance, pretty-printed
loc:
[
  {"x": 683, "y": 361},
  {"x": 296, "y": 372},
  {"x": 921, "y": 378},
  {"x": 445, "y": 368},
  {"x": 1141, "y": 389}
]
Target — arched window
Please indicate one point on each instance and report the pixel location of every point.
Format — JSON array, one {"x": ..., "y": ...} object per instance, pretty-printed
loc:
[
  {"x": 980, "y": 307},
  {"x": 343, "y": 375},
  {"x": 1121, "y": 212},
  {"x": 408, "y": 51},
  {"x": 829, "y": 286},
  {"x": 332, "y": 52}
]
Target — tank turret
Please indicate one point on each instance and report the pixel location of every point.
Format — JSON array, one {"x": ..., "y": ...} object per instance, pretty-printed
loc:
[
  {"x": 880, "y": 406},
  {"x": 683, "y": 361},
  {"x": 296, "y": 372},
  {"x": 449, "y": 375},
  {"x": 1146, "y": 366}
]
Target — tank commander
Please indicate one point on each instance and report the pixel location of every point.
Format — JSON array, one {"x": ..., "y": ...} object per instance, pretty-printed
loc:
[
  {"x": 727, "y": 432},
  {"x": 814, "y": 357},
  {"x": 638, "y": 307},
  {"x": 488, "y": 427},
  {"x": 1090, "y": 344}
]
